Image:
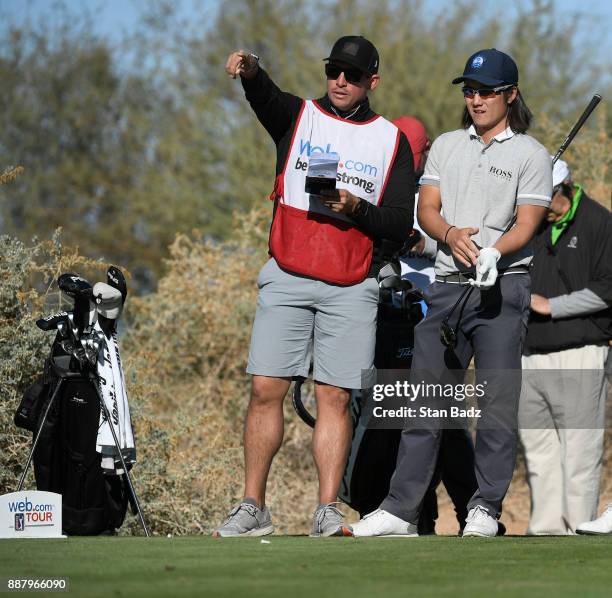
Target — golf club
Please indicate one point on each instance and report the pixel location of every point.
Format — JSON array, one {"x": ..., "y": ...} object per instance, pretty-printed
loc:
[
  {"x": 583, "y": 117},
  {"x": 80, "y": 291}
]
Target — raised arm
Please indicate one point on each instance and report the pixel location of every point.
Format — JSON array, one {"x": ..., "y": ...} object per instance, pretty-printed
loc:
[{"x": 276, "y": 110}]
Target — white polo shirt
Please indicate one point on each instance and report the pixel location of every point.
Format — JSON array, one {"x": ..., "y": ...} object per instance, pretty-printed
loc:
[{"x": 481, "y": 185}]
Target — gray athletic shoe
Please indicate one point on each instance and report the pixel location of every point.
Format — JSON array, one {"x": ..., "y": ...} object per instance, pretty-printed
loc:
[
  {"x": 246, "y": 519},
  {"x": 329, "y": 521}
]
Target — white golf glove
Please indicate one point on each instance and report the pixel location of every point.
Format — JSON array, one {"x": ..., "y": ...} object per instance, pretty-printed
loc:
[{"x": 486, "y": 268}]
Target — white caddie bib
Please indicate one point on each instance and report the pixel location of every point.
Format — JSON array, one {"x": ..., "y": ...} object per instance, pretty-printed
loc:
[{"x": 308, "y": 238}]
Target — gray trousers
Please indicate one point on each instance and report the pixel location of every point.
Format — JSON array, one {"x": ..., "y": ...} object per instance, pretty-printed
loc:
[{"x": 491, "y": 327}]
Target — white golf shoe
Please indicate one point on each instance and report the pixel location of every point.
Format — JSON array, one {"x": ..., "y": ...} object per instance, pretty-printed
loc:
[
  {"x": 480, "y": 523},
  {"x": 598, "y": 527},
  {"x": 383, "y": 524}
]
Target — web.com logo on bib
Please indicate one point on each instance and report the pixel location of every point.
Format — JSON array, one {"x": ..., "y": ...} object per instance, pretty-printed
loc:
[{"x": 307, "y": 148}]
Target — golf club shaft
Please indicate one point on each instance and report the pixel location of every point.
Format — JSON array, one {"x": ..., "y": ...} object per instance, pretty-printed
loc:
[{"x": 583, "y": 117}]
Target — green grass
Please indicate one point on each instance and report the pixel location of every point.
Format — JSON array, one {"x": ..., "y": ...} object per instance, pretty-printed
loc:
[{"x": 299, "y": 566}]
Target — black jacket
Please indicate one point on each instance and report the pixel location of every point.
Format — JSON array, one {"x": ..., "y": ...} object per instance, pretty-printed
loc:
[
  {"x": 390, "y": 222},
  {"x": 584, "y": 254}
]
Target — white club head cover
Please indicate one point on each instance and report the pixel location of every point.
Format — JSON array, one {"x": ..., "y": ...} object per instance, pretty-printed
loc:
[
  {"x": 486, "y": 268},
  {"x": 561, "y": 172},
  {"x": 108, "y": 300}
]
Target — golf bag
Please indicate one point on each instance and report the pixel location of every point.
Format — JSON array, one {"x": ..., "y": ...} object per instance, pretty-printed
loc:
[
  {"x": 65, "y": 459},
  {"x": 64, "y": 409}
]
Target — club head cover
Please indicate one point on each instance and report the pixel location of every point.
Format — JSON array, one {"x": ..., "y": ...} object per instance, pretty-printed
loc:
[
  {"x": 79, "y": 290},
  {"x": 405, "y": 286},
  {"x": 74, "y": 285},
  {"x": 391, "y": 282},
  {"x": 51, "y": 322},
  {"x": 389, "y": 274},
  {"x": 109, "y": 301},
  {"x": 115, "y": 278}
]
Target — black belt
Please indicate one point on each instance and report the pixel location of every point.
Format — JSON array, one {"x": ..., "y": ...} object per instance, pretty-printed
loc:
[{"x": 465, "y": 277}]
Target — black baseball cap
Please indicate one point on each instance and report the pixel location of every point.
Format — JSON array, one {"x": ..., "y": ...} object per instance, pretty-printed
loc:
[
  {"x": 357, "y": 51},
  {"x": 490, "y": 67}
]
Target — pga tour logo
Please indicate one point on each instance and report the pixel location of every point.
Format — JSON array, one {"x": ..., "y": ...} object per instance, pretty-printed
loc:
[{"x": 19, "y": 522}]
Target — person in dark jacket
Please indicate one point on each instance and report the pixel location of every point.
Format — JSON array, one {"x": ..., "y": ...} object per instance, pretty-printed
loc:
[
  {"x": 320, "y": 284},
  {"x": 561, "y": 411}
]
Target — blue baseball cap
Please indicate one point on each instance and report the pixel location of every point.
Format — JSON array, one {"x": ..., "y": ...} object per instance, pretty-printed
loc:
[{"x": 490, "y": 67}]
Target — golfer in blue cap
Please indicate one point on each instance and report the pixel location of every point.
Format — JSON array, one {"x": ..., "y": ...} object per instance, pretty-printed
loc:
[{"x": 484, "y": 191}]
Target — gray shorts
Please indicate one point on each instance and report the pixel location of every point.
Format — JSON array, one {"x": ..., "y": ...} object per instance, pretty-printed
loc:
[{"x": 299, "y": 317}]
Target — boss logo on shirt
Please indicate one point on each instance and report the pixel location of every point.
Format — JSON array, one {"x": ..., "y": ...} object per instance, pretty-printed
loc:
[
  {"x": 500, "y": 174},
  {"x": 573, "y": 244}
]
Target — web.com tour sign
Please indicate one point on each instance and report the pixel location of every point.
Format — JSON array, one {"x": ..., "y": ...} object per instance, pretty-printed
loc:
[{"x": 31, "y": 514}]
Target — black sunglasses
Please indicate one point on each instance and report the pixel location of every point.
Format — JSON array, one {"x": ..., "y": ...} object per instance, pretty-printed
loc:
[
  {"x": 484, "y": 92},
  {"x": 352, "y": 75}
]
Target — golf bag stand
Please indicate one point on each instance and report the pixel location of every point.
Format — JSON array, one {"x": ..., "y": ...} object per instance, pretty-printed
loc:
[
  {"x": 41, "y": 425},
  {"x": 63, "y": 375},
  {"x": 107, "y": 415}
]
